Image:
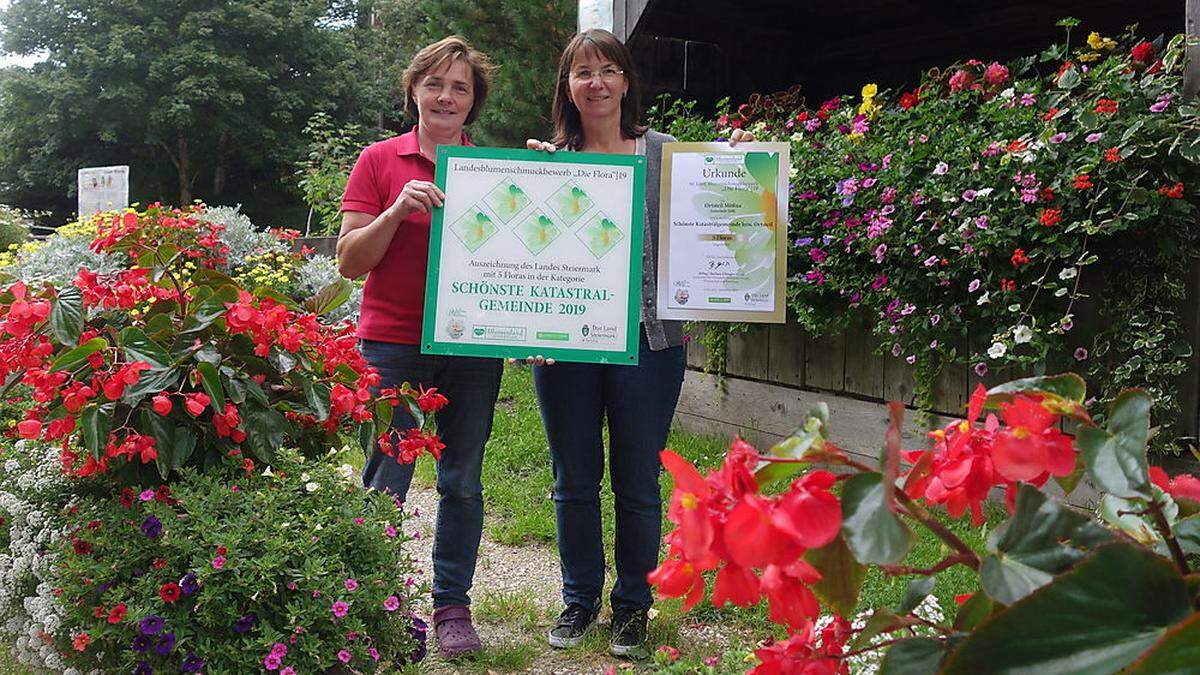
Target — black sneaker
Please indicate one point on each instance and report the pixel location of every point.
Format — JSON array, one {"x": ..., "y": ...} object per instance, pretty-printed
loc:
[
  {"x": 628, "y": 633},
  {"x": 573, "y": 625}
]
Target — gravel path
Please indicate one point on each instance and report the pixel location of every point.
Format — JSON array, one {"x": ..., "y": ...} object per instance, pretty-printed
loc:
[{"x": 516, "y": 599}]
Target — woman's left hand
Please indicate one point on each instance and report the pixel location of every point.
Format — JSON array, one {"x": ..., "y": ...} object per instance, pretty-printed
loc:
[{"x": 740, "y": 136}]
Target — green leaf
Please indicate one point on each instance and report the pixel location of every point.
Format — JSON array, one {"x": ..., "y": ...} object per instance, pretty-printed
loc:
[
  {"x": 918, "y": 656},
  {"x": 1069, "y": 79},
  {"x": 151, "y": 382},
  {"x": 317, "y": 395},
  {"x": 205, "y": 312},
  {"x": 265, "y": 430},
  {"x": 882, "y": 620},
  {"x": 973, "y": 611},
  {"x": 918, "y": 589},
  {"x": 841, "y": 576},
  {"x": 1177, "y": 653},
  {"x": 66, "y": 316},
  {"x": 139, "y": 347},
  {"x": 329, "y": 298},
  {"x": 1187, "y": 531},
  {"x": 95, "y": 422},
  {"x": 367, "y": 436},
  {"x": 1043, "y": 538},
  {"x": 71, "y": 358},
  {"x": 807, "y": 443},
  {"x": 1096, "y": 618},
  {"x": 282, "y": 360},
  {"x": 164, "y": 440},
  {"x": 185, "y": 443},
  {"x": 1067, "y": 389},
  {"x": 210, "y": 380},
  {"x": 1116, "y": 458},
  {"x": 875, "y": 534}
]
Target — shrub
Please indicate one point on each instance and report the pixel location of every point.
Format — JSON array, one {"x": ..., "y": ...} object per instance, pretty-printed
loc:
[
  {"x": 34, "y": 495},
  {"x": 168, "y": 362},
  {"x": 14, "y": 227},
  {"x": 233, "y": 571},
  {"x": 999, "y": 216}
]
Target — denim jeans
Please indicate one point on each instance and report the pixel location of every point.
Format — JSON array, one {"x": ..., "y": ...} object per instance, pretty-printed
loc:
[
  {"x": 638, "y": 402},
  {"x": 472, "y": 386}
]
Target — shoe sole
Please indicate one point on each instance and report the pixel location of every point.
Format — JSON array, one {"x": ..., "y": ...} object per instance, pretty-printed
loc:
[
  {"x": 625, "y": 651},
  {"x": 568, "y": 642}
]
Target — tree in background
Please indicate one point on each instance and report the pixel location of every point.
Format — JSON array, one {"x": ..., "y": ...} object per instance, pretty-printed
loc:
[
  {"x": 523, "y": 37},
  {"x": 192, "y": 93}
]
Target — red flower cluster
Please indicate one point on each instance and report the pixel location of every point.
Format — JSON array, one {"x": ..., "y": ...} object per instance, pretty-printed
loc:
[
  {"x": 1019, "y": 258},
  {"x": 1050, "y": 217},
  {"x": 1172, "y": 192},
  {"x": 1083, "y": 182},
  {"x": 754, "y": 541},
  {"x": 1184, "y": 486},
  {"x": 122, "y": 290},
  {"x": 967, "y": 461},
  {"x": 1106, "y": 106},
  {"x": 1112, "y": 155},
  {"x": 410, "y": 444},
  {"x": 910, "y": 99},
  {"x": 1008, "y": 285},
  {"x": 195, "y": 239},
  {"x": 1143, "y": 52},
  {"x": 803, "y": 654}
]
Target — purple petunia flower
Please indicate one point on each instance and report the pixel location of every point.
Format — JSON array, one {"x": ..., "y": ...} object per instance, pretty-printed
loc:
[
  {"x": 1081, "y": 354},
  {"x": 981, "y": 369},
  {"x": 166, "y": 644},
  {"x": 1093, "y": 137},
  {"x": 244, "y": 623},
  {"x": 152, "y": 527},
  {"x": 143, "y": 668},
  {"x": 1058, "y": 138},
  {"x": 188, "y": 583},
  {"x": 151, "y": 625},
  {"x": 192, "y": 663},
  {"x": 140, "y": 643}
]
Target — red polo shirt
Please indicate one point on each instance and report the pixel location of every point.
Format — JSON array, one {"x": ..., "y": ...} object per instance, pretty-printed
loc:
[{"x": 394, "y": 295}]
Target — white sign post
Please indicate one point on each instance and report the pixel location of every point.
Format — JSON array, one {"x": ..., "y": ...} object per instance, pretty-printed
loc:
[
  {"x": 103, "y": 188},
  {"x": 595, "y": 14}
]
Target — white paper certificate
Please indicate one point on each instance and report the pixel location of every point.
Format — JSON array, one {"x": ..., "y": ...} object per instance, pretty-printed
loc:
[{"x": 723, "y": 223}]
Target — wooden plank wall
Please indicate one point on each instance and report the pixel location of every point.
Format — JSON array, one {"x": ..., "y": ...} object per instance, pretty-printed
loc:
[{"x": 843, "y": 363}]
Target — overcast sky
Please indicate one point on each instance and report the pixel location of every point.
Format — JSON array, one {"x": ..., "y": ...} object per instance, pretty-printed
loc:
[{"x": 10, "y": 60}]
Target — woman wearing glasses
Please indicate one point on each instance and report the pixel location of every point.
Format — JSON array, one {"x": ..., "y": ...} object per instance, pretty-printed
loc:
[{"x": 596, "y": 109}]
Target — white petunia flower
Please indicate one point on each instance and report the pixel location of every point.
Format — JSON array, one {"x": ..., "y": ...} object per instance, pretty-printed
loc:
[{"x": 997, "y": 350}]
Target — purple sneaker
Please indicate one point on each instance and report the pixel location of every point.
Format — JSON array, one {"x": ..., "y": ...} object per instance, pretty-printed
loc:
[{"x": 455, "y": 634}]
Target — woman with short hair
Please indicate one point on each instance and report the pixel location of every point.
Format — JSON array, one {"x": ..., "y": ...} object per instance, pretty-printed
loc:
[{"x": 385, "y": 235}]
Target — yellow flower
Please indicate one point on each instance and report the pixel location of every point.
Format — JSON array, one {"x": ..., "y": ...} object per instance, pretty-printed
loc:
[
  {"x": 868, "y": 108},
  {"x": 1097, "y": 42},
  {"x": 869, "y": 91},
  {"x": 857, "y": 138},
  {"x": 1089, "y": 57}
]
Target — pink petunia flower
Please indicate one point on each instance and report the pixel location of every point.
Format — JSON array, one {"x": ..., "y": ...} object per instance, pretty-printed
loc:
[
  {"x": 218, "y": 562},
  {"x": 351, "y": 584},
  {"x": 344, "y": 655},
  {"x": 340, "y": 609},
  {"x": 392, "y": 603}
]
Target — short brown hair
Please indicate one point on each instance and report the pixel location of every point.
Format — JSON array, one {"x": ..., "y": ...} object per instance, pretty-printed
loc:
[
  {"x": 447, "y": 49},
  {"x": 568, "y": 128}
]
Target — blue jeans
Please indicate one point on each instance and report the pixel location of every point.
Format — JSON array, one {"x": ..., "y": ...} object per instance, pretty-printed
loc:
[
  {"x": 638, "y": 402},
  {"x": 464, "y": 425}
]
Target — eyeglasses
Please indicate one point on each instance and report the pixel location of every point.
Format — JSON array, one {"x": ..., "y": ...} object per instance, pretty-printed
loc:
[{"x": 606, "y": 74}]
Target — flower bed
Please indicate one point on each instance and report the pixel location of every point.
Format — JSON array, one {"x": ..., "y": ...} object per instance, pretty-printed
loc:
[
  {"x": 176, "y": 375},
  {"x": 981, "y": 218}
]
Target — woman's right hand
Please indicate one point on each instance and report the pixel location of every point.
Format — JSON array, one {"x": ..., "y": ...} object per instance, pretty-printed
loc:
[
  {"x": 535, "y": 144},
  {"x": 418, "y": 196}
]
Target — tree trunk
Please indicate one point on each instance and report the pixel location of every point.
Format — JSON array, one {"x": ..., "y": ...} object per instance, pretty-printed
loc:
[
  {"x": 184, "y": 166},
  {"x": 218, "y": 186}
]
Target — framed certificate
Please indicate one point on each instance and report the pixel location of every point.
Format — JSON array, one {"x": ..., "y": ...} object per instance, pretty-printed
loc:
[
  {"x": 723, "y": 224},
  {"x": 536, "y": 253}
]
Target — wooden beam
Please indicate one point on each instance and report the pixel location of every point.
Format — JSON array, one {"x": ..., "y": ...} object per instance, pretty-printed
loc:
[{"x": 1191, "y": 66}]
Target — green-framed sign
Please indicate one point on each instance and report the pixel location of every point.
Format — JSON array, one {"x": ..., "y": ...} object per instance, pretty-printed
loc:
[{"x": 536, "y": 253}]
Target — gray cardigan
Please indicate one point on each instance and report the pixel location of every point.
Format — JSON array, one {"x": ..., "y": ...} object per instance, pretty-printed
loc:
[{"x": 659, "y": 334}]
